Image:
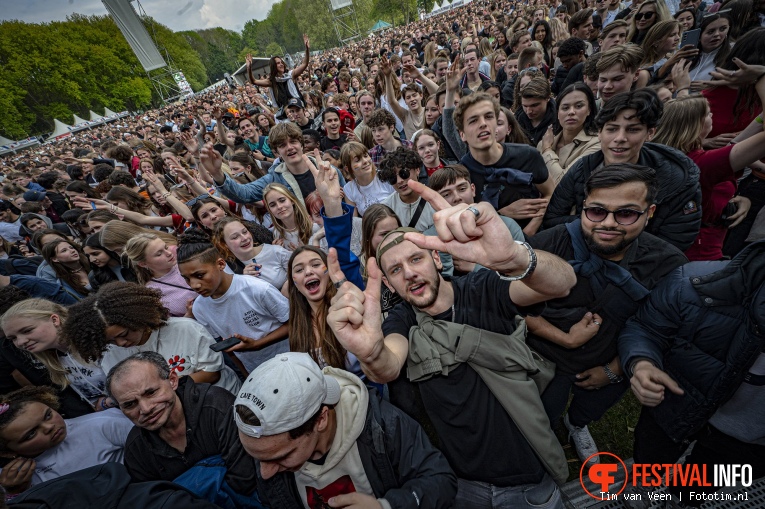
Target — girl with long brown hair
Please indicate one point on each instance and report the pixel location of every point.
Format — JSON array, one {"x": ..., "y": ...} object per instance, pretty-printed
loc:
[{"x": 70, "y": 265}]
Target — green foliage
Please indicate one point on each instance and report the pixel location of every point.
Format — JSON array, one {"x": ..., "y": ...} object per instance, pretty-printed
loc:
[
  {"x": 219, "y": 50},
  {"x": 53, "y": 70}
]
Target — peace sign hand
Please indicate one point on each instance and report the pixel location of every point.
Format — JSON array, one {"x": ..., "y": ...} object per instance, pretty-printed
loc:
[
  {"x": 481, "y": 238},
  {"x": 355, "y": 316},
  {"x": 327, "y": 184}
]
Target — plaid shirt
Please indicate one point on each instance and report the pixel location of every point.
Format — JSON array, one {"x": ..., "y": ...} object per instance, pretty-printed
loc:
[{"x": 378, "y": 152}]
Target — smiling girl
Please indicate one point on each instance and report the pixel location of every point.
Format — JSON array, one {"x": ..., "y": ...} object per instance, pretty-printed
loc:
[
  {"x": 248, "y": 256},
  {"x": 43, "y": 445},
  {"x": 126, "y": 318},
  {"x": 292, "y": 223},
  {"x": 428, "y": 144},
  {"x": 366, "y": 188}
]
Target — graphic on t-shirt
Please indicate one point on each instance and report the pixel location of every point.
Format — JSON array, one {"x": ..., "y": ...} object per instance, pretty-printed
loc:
[
  {"x": 251, "y": 318},
  {"x": 176, "y": 363},
  {"x": 319, "y": 499}
]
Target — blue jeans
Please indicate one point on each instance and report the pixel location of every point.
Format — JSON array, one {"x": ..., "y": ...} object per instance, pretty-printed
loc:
[{"x": 481, "y": 495}]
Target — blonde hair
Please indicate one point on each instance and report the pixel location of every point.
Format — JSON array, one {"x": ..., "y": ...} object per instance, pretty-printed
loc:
[
  {"x": 493, "y": 58},
  {"x": 302, "y": 218},
  {"x": 559, "y": 30},
  {"x": 662, "y": 14},
  {"x": 656, "y": 34},
  {"x": 41, "y": 310},
  {"x": 682, "y": 123},
  {"x": 115, "y": 234},
  {"x": 135, "y": 250}
]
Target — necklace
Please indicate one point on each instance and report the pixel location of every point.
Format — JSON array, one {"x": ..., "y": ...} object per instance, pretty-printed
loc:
[{"x": 453, "y": 314}]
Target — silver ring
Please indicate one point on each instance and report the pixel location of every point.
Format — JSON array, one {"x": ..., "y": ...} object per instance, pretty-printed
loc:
[
  {"x": 596, "y": 323},
  {"x": 474, "y": 210},
  {"x": 340, "y": 283}
]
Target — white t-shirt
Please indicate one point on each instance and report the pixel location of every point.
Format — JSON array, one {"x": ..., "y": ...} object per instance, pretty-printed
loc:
[
  {"x": 405, "y": 212},
  {"x": 292, "y": 239},
  {"x": 251, "y": 307},
  {"x": 86, "y": 379},
  {"x": 366, "y": 196},
  {"x": 273, "y": 261},
  {"x": 92, "y": 439},
  {"x": 186, "y": 346}
]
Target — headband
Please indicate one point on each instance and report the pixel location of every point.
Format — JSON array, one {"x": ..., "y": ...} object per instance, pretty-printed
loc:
[{"x": 382, "y": 249}]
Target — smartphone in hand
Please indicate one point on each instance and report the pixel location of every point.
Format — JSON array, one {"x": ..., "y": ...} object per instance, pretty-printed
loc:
[{"x": 225, "y": 344}]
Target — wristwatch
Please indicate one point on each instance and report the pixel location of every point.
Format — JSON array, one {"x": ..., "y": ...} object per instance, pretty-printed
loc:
[
  {"x": 529, "y": 270},
  {"x": 615, "y": 379}
]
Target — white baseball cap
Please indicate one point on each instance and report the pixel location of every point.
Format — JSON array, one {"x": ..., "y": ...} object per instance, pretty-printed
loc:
[{"x": 283, "y": 393}]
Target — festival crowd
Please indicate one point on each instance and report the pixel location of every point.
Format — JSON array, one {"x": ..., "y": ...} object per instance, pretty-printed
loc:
[{"x": 397, "y": 274}]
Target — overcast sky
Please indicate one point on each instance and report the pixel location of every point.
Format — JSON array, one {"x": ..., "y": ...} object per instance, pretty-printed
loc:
[{"x": 176, "y": 14}]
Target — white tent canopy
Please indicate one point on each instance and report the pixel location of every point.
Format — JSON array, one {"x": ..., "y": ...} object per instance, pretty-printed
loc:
[
  {"x": 435, "y": 7},
  {"x": 61, "y": 129},
  {"x": 78, "y": 120},
  {"x": 109, "y": 113},
  {"x": 94, "y": 116},
  {"x": 5, "y": 141}
]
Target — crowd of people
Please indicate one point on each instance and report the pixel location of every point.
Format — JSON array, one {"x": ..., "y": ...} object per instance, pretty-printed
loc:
[{"x": 386, "y": 277}]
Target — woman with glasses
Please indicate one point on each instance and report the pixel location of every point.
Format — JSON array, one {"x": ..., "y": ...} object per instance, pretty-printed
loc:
[
  {"x": 574, "y": 134},
  {"x": 648, "y": 14},
  {"x": 684, "y": 125}
]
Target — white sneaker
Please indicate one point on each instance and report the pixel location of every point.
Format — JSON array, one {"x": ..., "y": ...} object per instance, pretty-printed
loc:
[{"x": 585, "y": 445}]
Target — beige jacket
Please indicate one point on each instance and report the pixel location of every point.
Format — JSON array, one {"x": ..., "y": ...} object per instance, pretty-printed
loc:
[{"x": 558, "y": 163}]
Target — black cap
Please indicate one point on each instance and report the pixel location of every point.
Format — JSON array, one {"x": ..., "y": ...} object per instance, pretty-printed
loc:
[{"x": 294, "y": 102}]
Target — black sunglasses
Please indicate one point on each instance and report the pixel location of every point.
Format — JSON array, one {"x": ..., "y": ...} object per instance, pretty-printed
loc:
[
  {"x": 403, "y": 173},
  {"x": 624, "y": 217},
  {"x": 646, "y": 15}
]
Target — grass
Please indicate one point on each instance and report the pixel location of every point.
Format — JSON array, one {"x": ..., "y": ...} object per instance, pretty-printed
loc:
[{"x": 613, "y": 433}]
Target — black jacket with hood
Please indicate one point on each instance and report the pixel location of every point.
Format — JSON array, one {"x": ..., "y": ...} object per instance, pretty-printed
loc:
[{"x": 678, "y": 202}]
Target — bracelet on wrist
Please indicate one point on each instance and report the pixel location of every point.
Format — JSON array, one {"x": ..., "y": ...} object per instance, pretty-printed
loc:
[
  {"x": 529, "y": 269},
  {"x": 612, "y": 377}
]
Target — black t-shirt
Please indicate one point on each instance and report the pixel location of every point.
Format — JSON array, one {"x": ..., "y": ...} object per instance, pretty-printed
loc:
[
  {"x": 308, "y": 125},
  {"x": 325, "y": 143},
  {"x": 516, "y": 156},
  {"x": 648, "y": 260},
  {"x": 477, "y": 436},
  {"x": 306, "y": 182}
]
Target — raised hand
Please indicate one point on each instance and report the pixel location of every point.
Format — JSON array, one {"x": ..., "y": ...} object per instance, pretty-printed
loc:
[
  {"x": 89, "y": 203},
  {"x": 454, "y": 75},
  {"x": 681, "y": 76},
  {"x": 190, "y": 142},
  {"x": 355, "y": 316},
  {"x": 481, "y": 238},
  {"x": 306, "y": 41},
  {"x": 248, "y": 59},
  {"x": 212, "y": 162},
  {"x": 217, "y": 113},
  {"x": 325, "y": 178},
  {"x": 385, "y": 66},
  {"x": 412, "y": 70}
]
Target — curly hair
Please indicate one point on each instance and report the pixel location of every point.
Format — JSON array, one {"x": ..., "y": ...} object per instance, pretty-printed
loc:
[
  {"x": 399, "y": 159},
  {"x": 128, "y": 305},
  {"x": 381, "y": 117},
  {"x": 18, "y": 400}
]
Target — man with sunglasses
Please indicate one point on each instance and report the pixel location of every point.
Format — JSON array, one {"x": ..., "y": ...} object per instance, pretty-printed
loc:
[
  {"x": 398, "y": 168},
  {"x": 625, "y": 124},
  {"x": 617, "y": 263}
]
